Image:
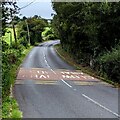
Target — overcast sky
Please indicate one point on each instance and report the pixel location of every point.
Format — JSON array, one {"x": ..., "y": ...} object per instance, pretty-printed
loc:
[{"x": 43, "y": 9}]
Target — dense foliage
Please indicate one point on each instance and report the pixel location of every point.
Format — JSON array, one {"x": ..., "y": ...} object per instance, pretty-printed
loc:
[
  {"x": 48, "y": 34},
  {"x": 30, "y": 30},
  {"x": 10, "y": 58},
  {"x": 12, "y": 53},
  {"x": 26, "y": 31},
  {"x": 10, "y": 109},
  {"x": 90, "y": 31}
]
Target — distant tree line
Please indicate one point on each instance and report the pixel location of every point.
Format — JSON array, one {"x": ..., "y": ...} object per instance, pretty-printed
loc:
[{"x": 90, "y": 31}]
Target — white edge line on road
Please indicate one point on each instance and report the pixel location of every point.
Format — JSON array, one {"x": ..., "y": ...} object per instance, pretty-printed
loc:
[
  {"x": 100, "y": 105},
  {"x": 66, "y": 83}
]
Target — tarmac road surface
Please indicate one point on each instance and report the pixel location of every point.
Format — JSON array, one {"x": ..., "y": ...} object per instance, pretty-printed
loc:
[{"x": 62, "y": 97}]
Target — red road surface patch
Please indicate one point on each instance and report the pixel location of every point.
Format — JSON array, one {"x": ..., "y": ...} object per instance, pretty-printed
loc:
[{"x": 48, "y": 74}]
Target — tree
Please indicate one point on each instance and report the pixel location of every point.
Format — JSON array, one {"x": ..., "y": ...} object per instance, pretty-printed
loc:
[
  {"x": 9, "y": 11},
  {"x": 89, "y": 31},
  {"x": 85, "y": 28},
  {"x": 36, "y": 26}
]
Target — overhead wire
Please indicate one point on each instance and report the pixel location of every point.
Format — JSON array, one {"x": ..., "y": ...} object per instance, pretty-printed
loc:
[{"x": 27, "y": 5}]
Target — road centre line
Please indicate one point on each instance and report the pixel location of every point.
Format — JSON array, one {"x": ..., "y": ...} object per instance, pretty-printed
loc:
[
  {"x": 66, "y": 83},
  {"x": 46, "y": 60},
  {"x": 48, "y": 64},
  {"x": 53, "y": 71},
  {"x": 100, "y": 105}
]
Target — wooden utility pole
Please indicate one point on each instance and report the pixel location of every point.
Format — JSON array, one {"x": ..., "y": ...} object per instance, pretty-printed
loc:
[
  {"x": 13, "y": 26},
  {"x": 28, "y": 31}
]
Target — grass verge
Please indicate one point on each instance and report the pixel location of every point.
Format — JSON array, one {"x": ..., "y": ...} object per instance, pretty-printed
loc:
[
  {"x": 10, "y": 108},
  {"x": 70, "y": 60}
]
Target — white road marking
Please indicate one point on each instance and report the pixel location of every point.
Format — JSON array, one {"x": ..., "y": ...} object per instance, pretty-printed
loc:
[
  {"x": 43, "y": 72},
  {"x": 70, "y": 76},
  {"x": 38, "y": 71},
  {"x": 42, "y": 76},
  {"x": 48, "y": 64},
  {"x": 48, "y": 76},
  {"x": 36, "y": 76},
  {"x": 45, "y": 60},
  {"x": 83, "y": 77},
  {"x": 100, "y": 105},
  {"x": 66, "y": 83},
  {"x": 53, "y": 71},
  {"x": 77, "y": 76},
  {"x": 65, "y": 72}
]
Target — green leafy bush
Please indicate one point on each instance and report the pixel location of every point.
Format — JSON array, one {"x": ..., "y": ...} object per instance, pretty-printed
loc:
[
  {"x": 110, "y": 64},
  {"x": 10, "y": 108},
  {"x": 4, "y": 45},
  {"x": 24, "y": 42},
  {"x": 48, "y": 32},
  {"x": 50, "y": 37},
  {"x": 10, "y": 56}
]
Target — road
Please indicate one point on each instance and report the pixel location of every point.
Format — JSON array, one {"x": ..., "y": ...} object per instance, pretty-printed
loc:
[{"x": 62, "y": 98}]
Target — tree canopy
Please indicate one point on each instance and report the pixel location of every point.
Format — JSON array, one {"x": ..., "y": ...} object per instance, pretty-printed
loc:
[
  {"x": 36, "y": 26},
  {"x": 87, "y": 30}
]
